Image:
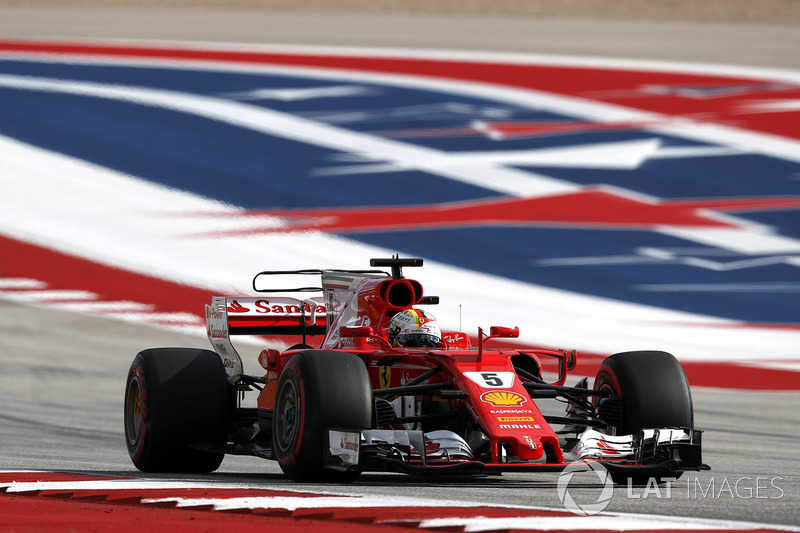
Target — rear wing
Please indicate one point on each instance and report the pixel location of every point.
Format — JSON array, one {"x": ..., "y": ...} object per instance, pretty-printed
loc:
[
  {"x": 260, "y": 316},
  {"x": 270, "y": 315}
]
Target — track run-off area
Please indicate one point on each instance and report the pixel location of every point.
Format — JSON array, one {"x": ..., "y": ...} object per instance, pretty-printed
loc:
[
  {"x": 601, "y": 205},
  {"x": 95, "y": 502}
]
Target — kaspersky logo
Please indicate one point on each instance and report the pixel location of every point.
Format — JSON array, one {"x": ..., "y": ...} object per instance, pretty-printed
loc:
[{"x": 503, "y": 398}]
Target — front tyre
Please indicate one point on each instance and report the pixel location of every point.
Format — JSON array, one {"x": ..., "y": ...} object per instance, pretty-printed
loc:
[
  {"x": 318, "y": 390},
  {"x": 654, "y": 392},
  {"x": 174, "y": 398}
]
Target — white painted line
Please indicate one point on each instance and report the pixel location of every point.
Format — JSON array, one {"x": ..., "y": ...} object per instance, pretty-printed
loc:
[
  {"x": 104, "y": 307},
  {"x": 47, "y": 295},
  {"x": 21, "y": 283},
  {"x": 503, "y": 179},
  {"x": 588, "y": 523},
  {"x": 161, "y": 318}
]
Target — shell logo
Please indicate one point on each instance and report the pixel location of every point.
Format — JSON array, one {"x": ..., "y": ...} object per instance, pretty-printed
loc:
[{"x": 502, "y": 398}]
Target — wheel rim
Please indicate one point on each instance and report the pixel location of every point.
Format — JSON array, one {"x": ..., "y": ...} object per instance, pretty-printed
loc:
[
  {"x": 134, "y": 419},
  {"x": 286, "y": 413}
]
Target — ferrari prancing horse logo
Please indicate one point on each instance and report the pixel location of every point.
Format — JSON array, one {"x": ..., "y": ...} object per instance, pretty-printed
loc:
[{"x": 385, "y": 376}]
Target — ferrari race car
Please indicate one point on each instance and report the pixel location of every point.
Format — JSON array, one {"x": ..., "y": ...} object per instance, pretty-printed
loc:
[{"x": 383, "y": 389}]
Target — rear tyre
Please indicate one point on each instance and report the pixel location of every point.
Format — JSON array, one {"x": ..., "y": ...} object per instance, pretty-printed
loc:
[
  {"x": 654, "y": 391},
  {"x": 318, "y": 390},
  {"x": 174, "y": 398}
]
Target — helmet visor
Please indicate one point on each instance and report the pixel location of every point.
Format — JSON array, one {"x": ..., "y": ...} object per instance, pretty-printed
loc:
[{"x": 417, "y": 340}]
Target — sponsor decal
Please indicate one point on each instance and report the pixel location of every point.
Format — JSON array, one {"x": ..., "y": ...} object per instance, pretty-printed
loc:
[
  {"x": 274, "y": 306},
  {"x": 218, "y": 333},
  {"x": 520, "y": 426},
  {"x": 343, "y": 448},
  {"x": 516, "y": 419},
  {"x": 236, "y": 307},
  {"x": 511, "y": 411},
  {"x": 454, "y": 337},
  {"x": 455, "y": 340},
  {"x": 216, "y": 324},
  {"x": 502, "y": 398},
  {"x": 265, "y": 306}
]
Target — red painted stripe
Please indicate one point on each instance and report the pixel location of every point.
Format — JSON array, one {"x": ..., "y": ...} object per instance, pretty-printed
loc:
[
  {"x": 66, "y": 272},
  {"x": 23, "y": 514},
  {"x": 32, "y": 477}
]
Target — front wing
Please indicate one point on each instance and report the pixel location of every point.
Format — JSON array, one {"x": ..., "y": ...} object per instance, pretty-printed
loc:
[{"x": 651, "y": 452}]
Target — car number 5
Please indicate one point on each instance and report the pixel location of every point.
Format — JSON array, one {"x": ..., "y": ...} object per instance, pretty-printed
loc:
[{"x": 491, "y": 380}]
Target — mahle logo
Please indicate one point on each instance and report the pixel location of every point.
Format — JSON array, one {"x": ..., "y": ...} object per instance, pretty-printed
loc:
[{"x": 573, "y": 500}]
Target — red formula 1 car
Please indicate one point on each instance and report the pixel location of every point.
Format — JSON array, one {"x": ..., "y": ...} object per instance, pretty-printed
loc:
[{"x": 384, "y": 390}]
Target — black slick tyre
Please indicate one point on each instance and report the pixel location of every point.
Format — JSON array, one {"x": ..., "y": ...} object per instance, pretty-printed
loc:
[
  {"x": 654, "y": 391},
  {"x": 174, "y": 398},
  {"x": 318, "y": 390},
  {"x": 653, "y": 387}
]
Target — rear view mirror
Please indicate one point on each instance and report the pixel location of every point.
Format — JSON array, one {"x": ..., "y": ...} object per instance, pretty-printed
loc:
[{"x": 503, "y": 332}]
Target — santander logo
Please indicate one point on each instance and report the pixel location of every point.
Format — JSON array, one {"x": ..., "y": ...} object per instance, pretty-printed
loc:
[{"x": 236, "y": 307}]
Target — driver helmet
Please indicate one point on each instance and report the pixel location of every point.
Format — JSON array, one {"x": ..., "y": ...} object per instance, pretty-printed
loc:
[{"x": 414, "y": 328}]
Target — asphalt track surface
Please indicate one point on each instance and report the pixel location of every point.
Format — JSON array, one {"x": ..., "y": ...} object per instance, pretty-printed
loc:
[
  {"x": 737, "y": 43},
  {"x": 62, "y": 374}
]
